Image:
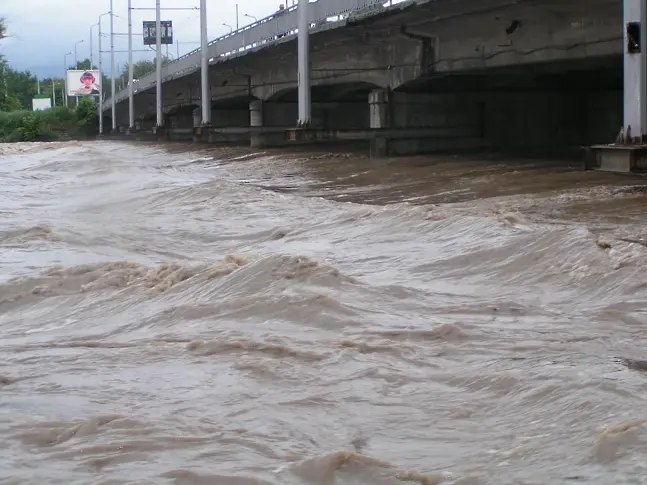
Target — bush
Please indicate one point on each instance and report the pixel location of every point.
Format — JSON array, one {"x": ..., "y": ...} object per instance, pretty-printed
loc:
[
  {"x": 87, "y": 111},
  {"x": 59, "y": 122}
]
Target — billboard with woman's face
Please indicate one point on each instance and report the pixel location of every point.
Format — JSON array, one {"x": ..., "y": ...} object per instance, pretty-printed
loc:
[{"x": 83, "y": 83}]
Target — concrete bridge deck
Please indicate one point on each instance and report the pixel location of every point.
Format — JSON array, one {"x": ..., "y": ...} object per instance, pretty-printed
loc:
[{"x": 508, "y": 73}]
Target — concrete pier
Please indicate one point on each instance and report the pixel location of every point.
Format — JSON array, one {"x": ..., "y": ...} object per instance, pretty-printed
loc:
[{"x": 629, "y": 152}]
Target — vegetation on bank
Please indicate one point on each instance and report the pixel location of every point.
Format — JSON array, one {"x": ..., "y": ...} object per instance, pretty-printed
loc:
[
  {"x": 18, "y": 121},
  {"x": 58, "y": 123}
]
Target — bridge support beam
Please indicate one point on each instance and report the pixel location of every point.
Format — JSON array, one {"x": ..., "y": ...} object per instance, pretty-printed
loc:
[
  {"x": 378, "y": 102},
  {"x": 256, "y": 139},
  {"x": 201, "y": 132},
  {"x": 629, "y": 152}
]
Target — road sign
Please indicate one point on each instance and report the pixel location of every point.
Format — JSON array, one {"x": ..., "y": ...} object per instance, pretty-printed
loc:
[{"x": 150, "y": 32}]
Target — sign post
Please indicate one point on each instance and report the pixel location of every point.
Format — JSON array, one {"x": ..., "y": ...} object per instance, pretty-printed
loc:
[{"x": 158, "y": 33}]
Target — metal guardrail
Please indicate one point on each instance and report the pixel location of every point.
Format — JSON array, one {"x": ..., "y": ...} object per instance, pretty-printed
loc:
[{"x": 264, "y": 32}]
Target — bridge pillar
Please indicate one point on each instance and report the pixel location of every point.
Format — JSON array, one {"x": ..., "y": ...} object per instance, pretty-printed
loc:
[
  {"x": 378, "y": 102},
  {"x": 629, "y": 152},
  {"x": 635, "y": 72},
  {"x": 201, "y": 133},
  {"x": 256, "y": 139}
]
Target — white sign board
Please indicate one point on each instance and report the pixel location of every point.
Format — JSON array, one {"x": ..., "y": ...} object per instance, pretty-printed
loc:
[
  {"x": 83, "y": 83},
  {"x": 41, "y": 104}
]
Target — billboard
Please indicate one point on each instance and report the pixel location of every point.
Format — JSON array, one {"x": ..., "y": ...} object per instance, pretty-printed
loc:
[
  {"x": 83, "y": 83},
  {"x": 150, "y": 32},
  {"x": 41, "y": 103}
]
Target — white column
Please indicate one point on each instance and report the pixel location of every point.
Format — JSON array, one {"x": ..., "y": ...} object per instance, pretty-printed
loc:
[
  {"x": 635, "y": 71},
  {"x": 305, "y": 106},
  {"x": 204, "y": 61},
  {"x": 131, "y": 88},
  {"x": 100, "y": 83},
  {"x": 256, "y": 139},
  {"x": 256, "y": 113},
  {"x": 158, "y": 42},
  {"x": 379, "y": 108},
  {"x": 112, "y": 69}
]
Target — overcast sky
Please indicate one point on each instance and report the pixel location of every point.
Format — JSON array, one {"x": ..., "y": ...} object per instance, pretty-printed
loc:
[{"x": 43, "y": 31}]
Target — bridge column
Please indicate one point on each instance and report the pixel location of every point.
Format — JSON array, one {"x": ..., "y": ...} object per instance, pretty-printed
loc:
[
  {"x": 635, "y": 75},
  {"x": 629, "y": 152},
  {"x": 201, "y": 132},
  {"x": 256, "y": 139},
  {"x": 378, "y": 102}
]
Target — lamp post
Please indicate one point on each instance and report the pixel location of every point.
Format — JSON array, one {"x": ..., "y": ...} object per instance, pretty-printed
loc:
[
  {"x": 65, "y": 75},
  {"x": 231, "y": 29},
  {"x": 76, "y": 66},
  {"x": 112, "y": 69},
  {"x": 76, "y": 61},
  {"x": 91, "y": 47},
  {"x": 131, "y": 88},
  {"x": 158, "y": 71},
  {"x": 101, "y": 77},
  {"x": 250, "y": 16}
]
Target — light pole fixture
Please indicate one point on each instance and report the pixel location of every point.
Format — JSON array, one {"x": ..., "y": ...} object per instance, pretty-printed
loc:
[{"x": 76, "y": 62}]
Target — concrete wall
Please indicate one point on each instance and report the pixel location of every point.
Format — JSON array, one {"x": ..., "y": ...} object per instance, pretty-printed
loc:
[{"x": 229, "y": 117}]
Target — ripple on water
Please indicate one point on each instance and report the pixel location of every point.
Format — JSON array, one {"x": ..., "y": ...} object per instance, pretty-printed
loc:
[{"x": 223, "y": 316}]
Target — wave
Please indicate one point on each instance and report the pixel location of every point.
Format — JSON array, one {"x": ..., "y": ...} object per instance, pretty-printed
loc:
[{"x": 25, "y": 235}]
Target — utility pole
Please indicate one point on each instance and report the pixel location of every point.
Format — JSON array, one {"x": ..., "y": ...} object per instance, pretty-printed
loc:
[
  {"x": 65, "y": 76},
  {"x": 305, "y": 107},
  {"x": 76, "y": 66},
  {"x": 100, "y": 83},
  {"x": 204, "y": 58},
  {"x": 112, "y": 69},
  {"x": 131, "y": 92},
  {"x": 158, "y": 47}
]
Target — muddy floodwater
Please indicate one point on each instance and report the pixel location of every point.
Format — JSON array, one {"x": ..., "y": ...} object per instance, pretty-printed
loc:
[{"x": 180, "y": 315}]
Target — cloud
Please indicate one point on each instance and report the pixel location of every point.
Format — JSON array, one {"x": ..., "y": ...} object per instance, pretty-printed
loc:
[{"x": 43, "y": 31}]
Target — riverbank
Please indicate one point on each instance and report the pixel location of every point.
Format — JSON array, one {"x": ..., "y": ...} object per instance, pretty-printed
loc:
[{"x": 57, "y": 123}]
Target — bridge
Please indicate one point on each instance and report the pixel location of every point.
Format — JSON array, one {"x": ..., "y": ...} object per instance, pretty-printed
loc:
[{"x": 414, "y": 76}]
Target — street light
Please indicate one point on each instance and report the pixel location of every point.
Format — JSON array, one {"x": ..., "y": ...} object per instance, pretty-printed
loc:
[
  {"x": 65, "y": 75},
  {"x": 231, "y": 29},
  {"x": 112, "y": 69},
  {"x": 76, "y": 62},
  {"x": 91, "y": 49},
  {"x": 101, "y": 77},
  {"x": 250, "y": 16}
]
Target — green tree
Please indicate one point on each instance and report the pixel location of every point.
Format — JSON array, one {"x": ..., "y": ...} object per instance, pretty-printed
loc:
[
  {"x": 86, "y": 112},
  {"x": 18, "y": 85},
  {"x": 3, "y": 30},
  {"x": 48, "y": 85},
  {"x": 143, "y": 67}
]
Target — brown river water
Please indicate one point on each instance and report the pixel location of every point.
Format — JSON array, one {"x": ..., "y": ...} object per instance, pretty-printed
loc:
[{"x": 177, "y": 315}]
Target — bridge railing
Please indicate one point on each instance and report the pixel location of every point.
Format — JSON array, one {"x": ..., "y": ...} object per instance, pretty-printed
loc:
[{"x": 263, "y": 32}]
